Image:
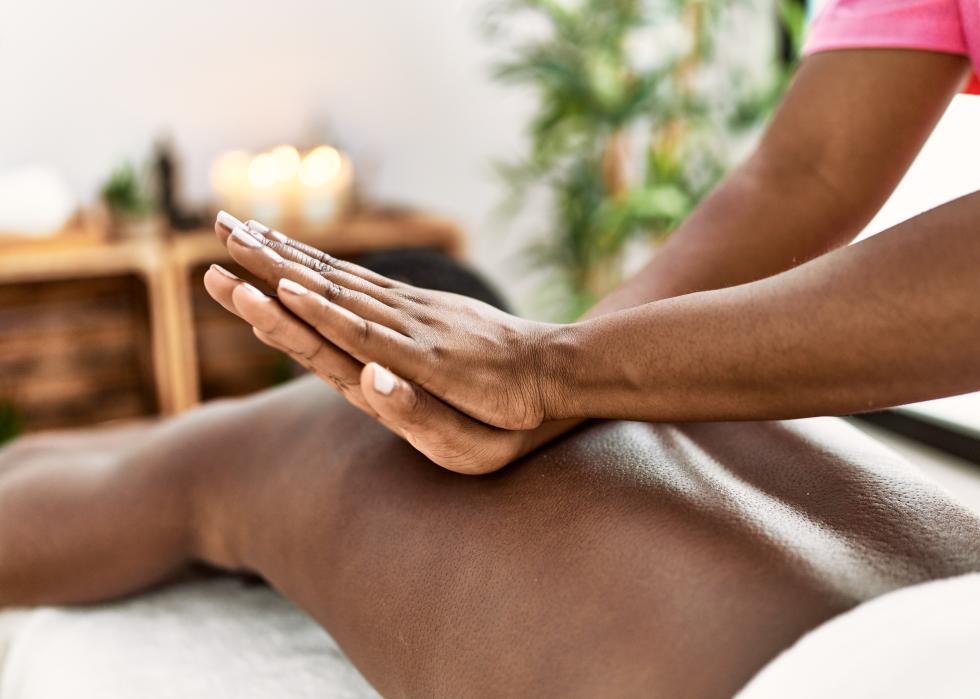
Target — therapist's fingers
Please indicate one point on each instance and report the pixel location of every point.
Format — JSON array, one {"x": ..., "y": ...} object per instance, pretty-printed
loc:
[
  {"x": 270, "y": 341},
  {"x": 356, "y": 335},
  {"x": 324, "y": 258},
  {"x": 362, "y": 404},
  {"x": 448, "y": 437},
  {"x": 278, "y": 328},
  {"x": 328, "y": 271},
  {"x": 261, "y": 259},
  {"x": 341, "y": 272},
  {"x": 224, "y": 224},
  {"x": 220, "y": 283}
]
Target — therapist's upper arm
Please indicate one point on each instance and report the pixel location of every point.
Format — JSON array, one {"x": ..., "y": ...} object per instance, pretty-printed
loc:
[{"x": 857, "y": 118}]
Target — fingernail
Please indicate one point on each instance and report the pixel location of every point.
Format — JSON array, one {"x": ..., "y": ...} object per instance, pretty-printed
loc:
[
  {"x": 221, "y": 270},
  {"x": 228, "y": 221},
  {"x": 256, "y": 226},
  {"x": 384, "y": 380},
  {"x": 255, "y": 292},
  {"x": 291, "y": 287},
  {"x": 276, "y": 235},
  {"x": 243, "y": 238}
]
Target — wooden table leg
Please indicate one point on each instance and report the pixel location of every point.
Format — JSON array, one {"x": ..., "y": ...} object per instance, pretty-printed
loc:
[{"x": 171, "y": 319}]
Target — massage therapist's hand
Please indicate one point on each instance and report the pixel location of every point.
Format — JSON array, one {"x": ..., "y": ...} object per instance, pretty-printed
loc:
[
  {"x": 446, "y": 435},
  {"x": 485, "y": 363}
]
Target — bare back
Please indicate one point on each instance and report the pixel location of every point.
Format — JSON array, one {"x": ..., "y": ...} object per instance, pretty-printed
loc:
[{"x": 629, "y": 559}]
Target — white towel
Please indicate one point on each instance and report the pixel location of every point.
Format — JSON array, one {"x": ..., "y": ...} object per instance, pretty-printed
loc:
[
  {"x": 919, "y": 642},
  {"x": 11, "y": 620}
]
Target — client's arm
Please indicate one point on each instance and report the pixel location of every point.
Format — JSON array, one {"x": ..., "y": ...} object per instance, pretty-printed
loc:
[
  {"x": 87, "y": 516},
  {"x": 846, "y": 131},
  {"x": 627, "y": 560}
]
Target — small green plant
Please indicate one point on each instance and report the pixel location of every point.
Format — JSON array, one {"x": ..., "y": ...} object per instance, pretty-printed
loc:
[
  {"x": 10, "y": 421},
  {"x": 792, "y": 18},
  {"x": 127, "y": 193},
  {"x": 622, "y": 147}
]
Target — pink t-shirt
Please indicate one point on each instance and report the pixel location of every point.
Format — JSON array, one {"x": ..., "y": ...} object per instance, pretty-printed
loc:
[{"x": 949, "y": 26}]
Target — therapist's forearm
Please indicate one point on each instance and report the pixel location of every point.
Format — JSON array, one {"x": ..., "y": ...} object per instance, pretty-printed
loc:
[
  {"x": 819, "y": 175},
  {"x": 738, "y": 235},
  {"x": 824, "y": 167},
  {"x": 891, "y": 320},
  {"x": 735, "y": 236}
]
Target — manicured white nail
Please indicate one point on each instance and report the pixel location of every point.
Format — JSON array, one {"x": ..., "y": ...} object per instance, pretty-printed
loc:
[
  {"x": 228, "y": 221},
  {"x": 257, "y": 227},
  {"x": 384, "y": 381},
  {"x": 221, "y": 270},
  {"x": 291, "y": 287},
  {"x": 242, "y": 237},
  {"x": 255, "y": 292}
]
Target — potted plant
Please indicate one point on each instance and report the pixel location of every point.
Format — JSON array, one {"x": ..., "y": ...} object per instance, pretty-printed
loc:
[
  {"x": 623, "y": 145},
  {"x": 131, "y": 207}
]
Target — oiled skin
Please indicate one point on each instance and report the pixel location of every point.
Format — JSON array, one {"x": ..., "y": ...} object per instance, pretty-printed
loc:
[{"x": 628, "y": 559}]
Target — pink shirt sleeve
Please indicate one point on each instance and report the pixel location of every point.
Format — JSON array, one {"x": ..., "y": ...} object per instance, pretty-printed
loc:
[{"x": 929, "y": 25}]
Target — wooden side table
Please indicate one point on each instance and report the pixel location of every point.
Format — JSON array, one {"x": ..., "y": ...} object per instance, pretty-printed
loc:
[{"x": 166, "y": 264}]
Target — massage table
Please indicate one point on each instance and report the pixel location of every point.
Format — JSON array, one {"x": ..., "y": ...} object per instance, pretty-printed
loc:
[{"x": 220, "y": 638}]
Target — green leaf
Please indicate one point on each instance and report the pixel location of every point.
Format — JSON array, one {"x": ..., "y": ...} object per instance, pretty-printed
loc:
[
  {"x": 11, "y": 423},
  {"x": 127, "y": 192},
  {"x": 792, "y": 15},
  {"x": 667, "y": 201}
]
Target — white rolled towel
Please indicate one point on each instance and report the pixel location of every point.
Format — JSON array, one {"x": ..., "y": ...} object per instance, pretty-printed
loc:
[{"x": 34, "y": 201}]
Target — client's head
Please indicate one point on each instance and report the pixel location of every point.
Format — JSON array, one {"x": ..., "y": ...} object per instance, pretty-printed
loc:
[{"x": 431, "y": 269}]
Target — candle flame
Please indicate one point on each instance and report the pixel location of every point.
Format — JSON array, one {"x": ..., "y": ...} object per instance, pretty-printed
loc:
[
  {"x": 287, "y": 162},
  {"x": 262, "y": 171},
  {"x": 230, "y": 172},
  {"x": 320, "y": 166}
]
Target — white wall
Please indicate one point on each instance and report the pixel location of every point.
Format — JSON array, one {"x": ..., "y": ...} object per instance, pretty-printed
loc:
[{"x": 403, "y": 86}]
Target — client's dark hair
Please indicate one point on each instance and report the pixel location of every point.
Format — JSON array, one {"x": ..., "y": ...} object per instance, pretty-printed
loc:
[{"x": 432, "y": 269}]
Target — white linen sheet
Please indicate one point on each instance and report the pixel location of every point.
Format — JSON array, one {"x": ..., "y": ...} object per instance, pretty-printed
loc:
[{"x": 211, "y": 639}]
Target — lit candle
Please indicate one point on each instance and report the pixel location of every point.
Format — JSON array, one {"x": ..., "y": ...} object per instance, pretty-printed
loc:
[
  {"x": 287, "y": 164},
  {"x": 319, "y": 174},
  {"x": 229, "y": 179},
  {"x": 266, "y": 204},
  {"x": 283, "y": 188}
]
